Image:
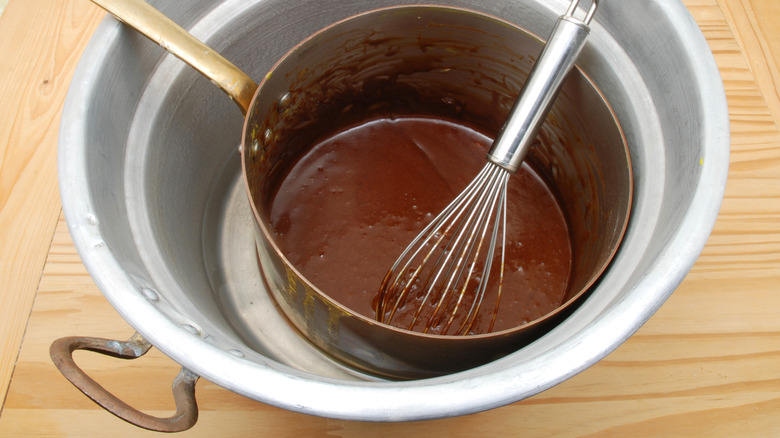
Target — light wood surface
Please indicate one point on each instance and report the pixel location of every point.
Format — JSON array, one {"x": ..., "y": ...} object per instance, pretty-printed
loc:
[
  {"x": 707, "y": 364},
  {"x": 40, "y": 43}
]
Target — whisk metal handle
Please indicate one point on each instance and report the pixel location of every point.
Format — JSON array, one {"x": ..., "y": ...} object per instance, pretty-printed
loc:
[{"x": 538, "y": 94}]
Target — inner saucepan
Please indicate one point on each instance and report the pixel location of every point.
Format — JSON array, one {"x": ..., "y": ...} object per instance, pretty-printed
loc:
[{"x": 366, "y": 130}]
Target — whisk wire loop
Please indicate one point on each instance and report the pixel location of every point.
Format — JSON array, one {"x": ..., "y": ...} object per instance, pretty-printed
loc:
[
  {"x": 471, "y": 241},
  {"x": 429, "y": 233},
  {"x": 440, "y": 266},
  {"x": 458, "y": 245},
  {"x": 588, "y": 16},
  {"x": 498, "y": 224}
]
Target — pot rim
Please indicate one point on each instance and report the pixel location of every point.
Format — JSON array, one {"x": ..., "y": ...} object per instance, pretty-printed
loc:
[{"x": 492, "y": 385}]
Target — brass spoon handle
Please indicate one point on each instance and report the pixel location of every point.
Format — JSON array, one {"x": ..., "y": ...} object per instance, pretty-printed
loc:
[{"x": 170, "y": 36}]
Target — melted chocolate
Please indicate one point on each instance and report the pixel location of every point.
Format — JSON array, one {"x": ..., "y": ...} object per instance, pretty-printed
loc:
[{"x": 347, "y": 209}]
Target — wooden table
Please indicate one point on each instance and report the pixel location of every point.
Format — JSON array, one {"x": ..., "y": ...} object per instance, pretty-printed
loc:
[{"x": 707, "y": 364}]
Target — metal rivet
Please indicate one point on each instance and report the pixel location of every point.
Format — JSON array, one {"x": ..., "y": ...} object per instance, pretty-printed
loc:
[
  {"x": 237, "y": 353},
  {"x": 285, "y": 100},
  {"x": 92, "y": 219},
  {"x": 192, "y": 329},
  {"x": 150, "y": 294}
]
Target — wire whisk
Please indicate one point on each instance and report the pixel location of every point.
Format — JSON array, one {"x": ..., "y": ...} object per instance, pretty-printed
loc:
[{"x": 440, "y": 280}]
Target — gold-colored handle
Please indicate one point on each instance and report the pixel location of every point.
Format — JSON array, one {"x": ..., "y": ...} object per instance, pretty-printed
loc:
[{"x": 170, "y": 36}]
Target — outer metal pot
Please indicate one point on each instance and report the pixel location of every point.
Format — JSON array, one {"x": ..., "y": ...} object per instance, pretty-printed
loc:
[
  {"x": 149, "y": 188},
  {"x": 447, "y": 63}
]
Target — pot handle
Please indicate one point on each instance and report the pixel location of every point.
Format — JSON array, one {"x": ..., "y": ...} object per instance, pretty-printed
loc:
[
  {"x": 186, "y": 415},
  {"x": 151, "y": 23}
]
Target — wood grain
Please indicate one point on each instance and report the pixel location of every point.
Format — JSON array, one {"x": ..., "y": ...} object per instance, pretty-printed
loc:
[
  {"x": 707, "y": 364},
  {"x": 40, "y": 43},
  {"x": 758, "y": 35}
]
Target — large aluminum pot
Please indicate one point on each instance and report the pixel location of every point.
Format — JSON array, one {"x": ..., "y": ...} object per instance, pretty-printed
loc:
[{"x": 150, "y": 183}]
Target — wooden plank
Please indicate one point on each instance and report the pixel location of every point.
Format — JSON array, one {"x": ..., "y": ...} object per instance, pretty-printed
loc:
[
  {"x": 757, "y": 32},
  {"x": 40, "y": 43}
]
